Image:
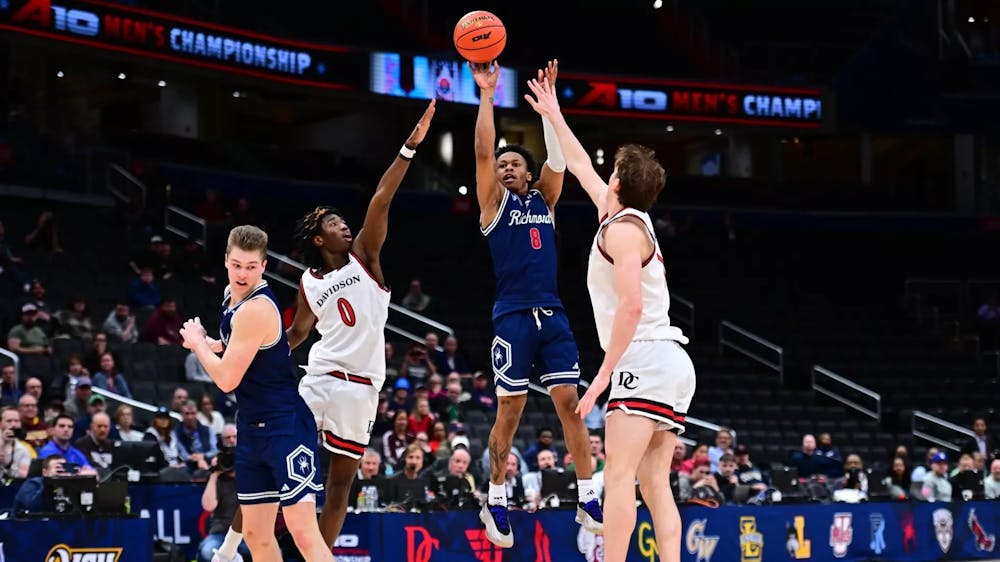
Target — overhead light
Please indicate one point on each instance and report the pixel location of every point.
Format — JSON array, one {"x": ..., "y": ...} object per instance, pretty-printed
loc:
[
  {"x": 657, "y": 4},
  {"x": 600, "y": 160},
  {"x": 121, "y": 75},
  {"x": 972, "y": 19},
  {"x": 670, "y": 128},
  {"x": 718, "y": 131},
  {"x": 986, "y": 19},
  {"x": 162, "y": 83},
  {"x": 600, "y": 153},
  {"x": 502, "y": 142},
  {"x": 60, "y": 74},
  {"x": 236, "y": 93},
  {"x": 796, "y": 139},
  {"x": 462, "y": 190}
]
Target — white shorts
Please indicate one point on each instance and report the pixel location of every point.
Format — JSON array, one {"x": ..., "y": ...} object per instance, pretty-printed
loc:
[
  {"x": 655, "y": 379},
  {"x": 344, "y": 412}
]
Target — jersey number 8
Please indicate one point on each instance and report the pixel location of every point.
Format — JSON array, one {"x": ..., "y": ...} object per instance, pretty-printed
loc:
[{"x": 536, "y": 239}]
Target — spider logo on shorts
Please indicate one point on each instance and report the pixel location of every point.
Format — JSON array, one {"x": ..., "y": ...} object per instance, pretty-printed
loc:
[{"x": 300, "y": 464}]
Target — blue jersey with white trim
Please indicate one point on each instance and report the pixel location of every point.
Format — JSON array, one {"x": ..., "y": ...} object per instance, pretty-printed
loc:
[
  {"x": 268, "y": 388},
  {"x": 522, "y": 240}
]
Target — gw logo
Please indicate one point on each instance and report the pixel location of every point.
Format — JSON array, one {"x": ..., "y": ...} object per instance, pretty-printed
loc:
[
  {"x": 482, "y": 37},
  {"x": 63, "y": 553}
]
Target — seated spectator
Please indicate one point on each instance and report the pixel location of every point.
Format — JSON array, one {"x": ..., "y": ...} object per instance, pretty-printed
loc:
[
  {"x": 9, "y": 392},
  {"x": 723, "y": 445},
  {"x": 935, "y": 486},
  {"x": 920, "y": 471},
  {"x": 544, "y": 460},
  {"x": 898, "y": 481},
  {"x": 383, "y": 420},
  {"x": 544, "y": 437},
  {"x": 144, "y": 292},
  {"x": 452, "y": 359},
  {"x": 991, "y": 485},
  {"x": 831, "y": 463},
  {"x": 95, "y": 405},
  {"x": 45, "y": 235},
  {"x": 982, "y": 440},
  {"x": 458, "y": 466},
  {"x": 412, "y": 466},
  {"x": 194, "y": 371},
  {"x": 436, "y": 393},
  {"x": 701, "y": 486},
  {"x": 196, "y": 444},
  {"x": 157, "y": 257},
  {"x": 36, "y": 431},
  {"x": 75, "y": 319},
  {"x": 92, "y": 360},
  {"x": 209, "y": 416},
  {"x": 421, "y": 419},
  {"x": 61, "y": 444},
  {"x": 15, "y": 455},
  {"x": 452, "y": 409},
  {"x": 439, "y": 440},
  {"x": 96, "y": 445},
  {"x": 746, "y": 472},
  {"x": 28, "y": 338},
  {"x": 395, "y": 441},
  {"x": 805, "y": 461},
  {"x": 484, "y": 461},
  {"x": 164, "y": 325},
  {"x": 391, "y": 364},
  {"x": 123, "y": 422},
  {"x": 371, "y": 482},
  {"x": 416, "y": 300},
  {"x": 82, "y": 390},
  {"x": 680, "y": 451},
  {"x": 483, "y": 396},
  {"x": 30, "y": 496},
  {"x": 513, "y": 482},
  {"x": 161, "y": 431},
  {"x": 726, "y": 478},
  {"x": 850, "y": 487},
  {"x": 401, "y": 399},
  {"x": 416, "y": 366},
  {"x": 110, "y": 378},
  {"x": 43, "y": 312},
  {"x": 120, "y": 324},
  {"x": 64, "y": 382},
  {"x": 179, "y": 399},
  {"x": 967, "y": 482},
  {"x": 853, "y": 464}
]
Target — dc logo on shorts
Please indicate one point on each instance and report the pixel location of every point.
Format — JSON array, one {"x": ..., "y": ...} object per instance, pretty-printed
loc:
[
  {"x": 628, "y": 380},
  {"x": 500, "y": 351},
  {"x": 300, "y": 464}
]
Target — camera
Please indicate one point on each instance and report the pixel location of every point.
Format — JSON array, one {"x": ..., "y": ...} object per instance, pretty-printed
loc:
[
  {"x": 70, "y": 468},
  {"x": 226, "y": 459}
]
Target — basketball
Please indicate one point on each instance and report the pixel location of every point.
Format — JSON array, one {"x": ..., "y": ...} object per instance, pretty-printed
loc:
[{"x": 480, "y": 36}]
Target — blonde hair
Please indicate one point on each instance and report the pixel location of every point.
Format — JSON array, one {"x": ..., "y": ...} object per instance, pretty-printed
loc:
[{"x": 248, "y": 238}]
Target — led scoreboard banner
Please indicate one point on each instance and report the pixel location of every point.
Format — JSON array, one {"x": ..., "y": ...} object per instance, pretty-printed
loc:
[
  {"x": 680, "y": 100},
  {"x": 145, "y": 33}
]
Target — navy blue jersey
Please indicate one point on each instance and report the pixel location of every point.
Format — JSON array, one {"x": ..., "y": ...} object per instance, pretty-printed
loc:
[
  {"x": 268, "y": 388},
  {"x": 522, "y": 241}
]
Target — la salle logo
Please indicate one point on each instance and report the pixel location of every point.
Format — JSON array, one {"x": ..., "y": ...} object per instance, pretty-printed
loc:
[{"x": 751, "y": 540}]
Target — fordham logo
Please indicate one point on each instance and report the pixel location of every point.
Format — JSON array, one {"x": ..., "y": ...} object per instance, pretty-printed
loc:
[{"x": 944, "y": 528}]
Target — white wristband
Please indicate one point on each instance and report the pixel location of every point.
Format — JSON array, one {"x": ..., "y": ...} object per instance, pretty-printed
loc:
[
  {"x": 406, "y": 153},
  {"x": 553, "y": 152}
]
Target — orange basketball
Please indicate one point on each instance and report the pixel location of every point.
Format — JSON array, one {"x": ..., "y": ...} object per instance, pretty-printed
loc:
[{"x": 480, "y": 36}]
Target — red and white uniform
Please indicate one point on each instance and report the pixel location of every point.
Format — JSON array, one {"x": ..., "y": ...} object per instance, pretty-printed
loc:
[
  {"x": 655, "y": 377},
  {"x": 346, "y": 366}
]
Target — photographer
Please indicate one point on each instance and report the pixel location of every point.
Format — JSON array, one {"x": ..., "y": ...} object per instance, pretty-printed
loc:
[
  {"x": 417, "y": 365},
  {"x": 15, "y": 458},
  {"x": 219, "y": 498},
  {"x": 31, "y": 496}
]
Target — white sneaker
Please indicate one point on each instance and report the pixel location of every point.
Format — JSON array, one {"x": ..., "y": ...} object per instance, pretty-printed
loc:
[
  {"x": 591, "y": 516},
  {"x": 497, "y": 522},
  {"x": 218, "y": 557}
]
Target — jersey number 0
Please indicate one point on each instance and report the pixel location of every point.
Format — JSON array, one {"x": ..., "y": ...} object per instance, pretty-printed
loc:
[{"x": 346, "y": 312}]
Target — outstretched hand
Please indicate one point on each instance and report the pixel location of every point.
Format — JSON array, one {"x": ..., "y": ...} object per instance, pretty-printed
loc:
[
  {"x": 597, "y": 386},
  {"x": 545, "y": 101},
  {"x": 420, "y": 131},
  {"x": 485, "y": 74},
  {"x": 193, "y": 333},
  {"x": 550, "y": 71}
]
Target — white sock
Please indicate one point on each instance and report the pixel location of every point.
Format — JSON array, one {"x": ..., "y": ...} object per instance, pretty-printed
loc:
[
  {"x": 230, "y": 544},
  {"x": 498, "y": 494},
  {"x": 585, "y": 490}
]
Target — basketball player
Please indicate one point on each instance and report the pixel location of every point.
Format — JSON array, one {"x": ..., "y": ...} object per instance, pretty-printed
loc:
[
  {"x": 343, "y": 294},
  {"x": 276, "y": 454},
  {"x": 530, "y": 326},
  {"x": 652, "y": 376}
]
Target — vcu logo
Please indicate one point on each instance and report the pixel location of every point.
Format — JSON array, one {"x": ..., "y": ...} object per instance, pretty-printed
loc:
[
  {"x": 751, "y": 540},
  {"x": 63, "y": 553},
  {"x": 484, "y": 550},
  {"x": 698, "y": 543}
]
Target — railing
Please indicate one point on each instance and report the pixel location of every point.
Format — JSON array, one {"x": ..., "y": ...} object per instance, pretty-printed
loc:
[
  {"x": 824, "y": 381},
  {"x": 299, "y": 268},
  {"x": 120, "y": 181},
  {"x": 683, "y": 314},
  {"x": 176, "y": 213},
  {"x": 939, "y": 424},
  {"x": 17, "y": 364},
  {"x": 727, "y": 328},
  {"x": 137, "y": 404}
]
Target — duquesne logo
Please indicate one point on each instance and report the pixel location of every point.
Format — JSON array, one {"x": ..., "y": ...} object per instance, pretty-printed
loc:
[{"x": 484, "y": 550}]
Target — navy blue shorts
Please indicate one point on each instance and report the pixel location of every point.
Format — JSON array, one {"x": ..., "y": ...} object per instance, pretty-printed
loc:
[
  {"x": 276, "y": 459},
  {"x": 539, "y": 337}
]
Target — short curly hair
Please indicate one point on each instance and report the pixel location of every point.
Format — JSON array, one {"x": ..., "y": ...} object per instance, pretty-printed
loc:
[{"x": 309, "y": 226}]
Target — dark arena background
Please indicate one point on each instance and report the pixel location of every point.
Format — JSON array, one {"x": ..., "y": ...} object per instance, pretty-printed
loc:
[{"x": 829, "y": 227}]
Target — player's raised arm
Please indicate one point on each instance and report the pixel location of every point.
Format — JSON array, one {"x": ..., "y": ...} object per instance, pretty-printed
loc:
[
  {"x": 577, "y": 159},
  {"x": 252, "y": 328},
  {"x": 488, "y": 191},
  {"x": 550, "y": 181},
  {"x": 369, "y": 242}
]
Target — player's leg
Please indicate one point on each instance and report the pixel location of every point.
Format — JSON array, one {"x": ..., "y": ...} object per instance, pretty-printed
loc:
[
  {"x": 658, "y": 496},
  {"x": 511, "y": 353},
  {"x": 626, "y": 439},
  {"x": 557, "y": 360},
  {"x": 227, "y": 551},
  {"x": 301, "y": 520},
  {"x": 258, "y": 531},
  {"x": 342, "y": 472}
]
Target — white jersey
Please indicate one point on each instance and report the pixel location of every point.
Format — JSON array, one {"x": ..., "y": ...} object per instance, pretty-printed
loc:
[
  {"x": 655, "y": 322},
  {"x": 351, "y": 308}
]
